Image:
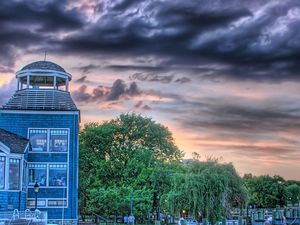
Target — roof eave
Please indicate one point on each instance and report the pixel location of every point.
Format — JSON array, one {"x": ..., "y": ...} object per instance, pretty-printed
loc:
[{"x": 4, "y": 148}]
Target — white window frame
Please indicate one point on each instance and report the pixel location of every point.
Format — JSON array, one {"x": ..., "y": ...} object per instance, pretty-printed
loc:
[
  {"x": 38, "y": 199},
  {"x": 20, "y": 173},
  {"x": 6, "y": 181},
  {"x": 5, "y": 169},
  {"x": 48, "y": 140},
  {"x": 65, "y": 188},
  {"x": 47, "y": 174},
  {"x": 58, "y": 199},
  {"x": 29, "y": 167},
  {"x": 67, "y": 171},
  {"x": 24, "y": 175},
  {"x": 46, "y": 201}
]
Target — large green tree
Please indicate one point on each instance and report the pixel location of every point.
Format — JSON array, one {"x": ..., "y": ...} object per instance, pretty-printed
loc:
[
  {"x": 209, "y": 187},
  {"x": 116, "y": 159},
  {"x": 293, "y": 193},
  {"x": 266, "y": 191}
]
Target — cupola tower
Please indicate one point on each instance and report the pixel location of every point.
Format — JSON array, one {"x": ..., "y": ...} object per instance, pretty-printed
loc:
[{"x": 41, "y": 113}]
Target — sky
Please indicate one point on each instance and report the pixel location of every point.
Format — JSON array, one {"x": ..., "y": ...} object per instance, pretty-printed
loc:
[{"x": 223, "y": 76}]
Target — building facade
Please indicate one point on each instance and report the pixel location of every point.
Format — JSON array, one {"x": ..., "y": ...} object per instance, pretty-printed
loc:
[{"x": 42, "y": 114}]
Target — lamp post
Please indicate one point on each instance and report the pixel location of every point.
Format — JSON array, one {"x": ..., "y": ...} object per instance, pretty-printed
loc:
[
  {"x": 131, "y": 204},
  {"x": 158, "y": 211},
  {"x": 36, "y": 188},
  {"x": 131, "y": 218}
]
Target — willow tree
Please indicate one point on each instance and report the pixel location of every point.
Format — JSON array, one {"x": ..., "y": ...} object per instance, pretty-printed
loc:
[{"x": 208, "y": 187}]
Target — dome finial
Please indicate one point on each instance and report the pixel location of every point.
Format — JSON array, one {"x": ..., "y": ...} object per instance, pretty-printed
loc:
[{"x": 45, "y": 55}]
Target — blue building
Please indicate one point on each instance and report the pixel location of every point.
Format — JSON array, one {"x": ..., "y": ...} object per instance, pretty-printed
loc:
[{"x": 39, "y": 128}]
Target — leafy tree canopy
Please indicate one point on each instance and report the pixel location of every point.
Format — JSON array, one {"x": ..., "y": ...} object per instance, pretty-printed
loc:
[
  {"x": 266, "y": 191},
  {"x": 122, "y": 156},
  {"x": 208, "y": 187},
  {"x": 293, "y": 193}
]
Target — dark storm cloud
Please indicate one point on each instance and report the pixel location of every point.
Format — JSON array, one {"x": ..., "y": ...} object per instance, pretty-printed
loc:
[
  {"x": 81, "y": 79},
  {"x": 124, "y": 4},
  {"x": 81, "y": 95},
  {"x": 27, "y": 24},
  {"x": 118, "y": 90},
  {"x": 235, "y": 118},
  {"x": 84, "y": 80},
  {"x": 47, "y": 16},
  {"x": 233, "y": 114},
  {"x": 280, "y": 153},
  {"x": 235, "y": 126},
  {"x": 227, "y": 119},
  {"x": 146, "y": 107},
  {"x": 195, "y": 15},
  {"x": 133, "y": 89},
  {"x": 137, "y": 67},
  {"x": 183, "y": 80},
  {"x": 138, "y": 104},
  {"x": 12, "y": 39},
  {"x": 256, "y": 40},
  {"x": 130, "y": 33},
  {"x": 88, "y": 68},
  {"x": 152, "y": 77},
  {"x": 164, "y": 79},
  {"x": 239, "y": 34}
]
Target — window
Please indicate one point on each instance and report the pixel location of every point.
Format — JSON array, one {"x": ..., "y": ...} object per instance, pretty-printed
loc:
[
  {"x": 24, "y": 182},
  {"x": 49, "y": 140},
  {"x": 58, "y": 202},
  {"x": 37, "y": 173},
  {"x": 58, "y": 140},
  {"x": 38, "y": 140},
  {"x": 57, "y": 175},
  {"x": 40, "y": 203},
  {"x": 2, "y": 172},
  {"x": 14, "y": 174}
]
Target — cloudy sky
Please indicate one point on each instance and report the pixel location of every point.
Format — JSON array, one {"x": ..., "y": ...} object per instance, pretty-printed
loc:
[{"x": 222, "y": 75}]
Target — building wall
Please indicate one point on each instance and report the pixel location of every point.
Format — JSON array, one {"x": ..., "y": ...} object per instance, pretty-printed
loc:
[
  {"x": 3, "y": 200},
  {"x": 10, "y": 200},
  {"x": 18, "y": 123}
]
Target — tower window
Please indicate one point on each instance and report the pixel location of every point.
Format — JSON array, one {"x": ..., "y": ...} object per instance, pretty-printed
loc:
[
  {"x": 49, "y": 140},
  {"x": 38, "y": 140},
  {"x": 58, "y": 140}
]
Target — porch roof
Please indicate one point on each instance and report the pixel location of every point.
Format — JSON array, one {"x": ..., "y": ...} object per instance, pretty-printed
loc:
[{"x": 14, "y": 142}]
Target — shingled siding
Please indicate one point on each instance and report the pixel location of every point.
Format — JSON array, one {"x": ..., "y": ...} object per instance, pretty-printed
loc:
[
  {"x": 10, "y": 200},
  {"x": 3, "y": 200},
  {"x": 19, "y": 123}
]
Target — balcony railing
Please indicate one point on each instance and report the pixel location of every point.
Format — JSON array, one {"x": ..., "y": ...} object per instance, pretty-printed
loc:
[{"x": 26, "y": 217}]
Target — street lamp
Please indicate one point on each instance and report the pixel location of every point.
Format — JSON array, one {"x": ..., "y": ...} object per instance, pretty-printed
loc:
[
  {"x": 158, "y": 210},
  {"x": 36, "y": 188}
]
